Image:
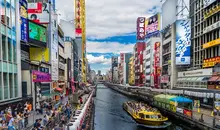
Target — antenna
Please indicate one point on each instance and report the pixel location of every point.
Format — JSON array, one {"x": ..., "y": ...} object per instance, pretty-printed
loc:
[{"x": 182, "y": 9}]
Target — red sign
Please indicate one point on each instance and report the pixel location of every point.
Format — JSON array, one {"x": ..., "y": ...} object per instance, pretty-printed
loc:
[
  {"x": 35, "y": 8},
  {"x": 141, "y": 28},
  {"x": 78, "y": 32},
  {"x": 157, "y": 70}
]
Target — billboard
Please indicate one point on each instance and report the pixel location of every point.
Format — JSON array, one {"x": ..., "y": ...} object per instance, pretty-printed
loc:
[
  {"x": 37, "y": 34},
  {"x": 38, "y": 76},
  {"x": 152, "y": 25},
  {"x": 206, "y": 3},
  {"x": 39, "y": 54},
  {"x": 23, "y": 20},
  {"x": 39, "y": 12},
  {"x": 183, "y": 42},
  {"x": 54, "y": 48},
  {"x": 169, "y": 11},
  {"x": 141, "y": 28}
]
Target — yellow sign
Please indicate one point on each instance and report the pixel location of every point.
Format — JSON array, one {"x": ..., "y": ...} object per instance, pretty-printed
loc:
[
  {"x": 212, "y": 43},
  {"x": 39, "y": 54},
  {"x": 211, "y": 62},
  {"x": 211, "y": 11}
]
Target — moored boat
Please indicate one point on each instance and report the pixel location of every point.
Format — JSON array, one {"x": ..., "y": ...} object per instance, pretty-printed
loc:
[{"x": 144, "y": 114}]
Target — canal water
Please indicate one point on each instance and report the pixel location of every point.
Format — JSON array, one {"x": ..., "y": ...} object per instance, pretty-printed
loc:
[{"x": 109, "y": 114}]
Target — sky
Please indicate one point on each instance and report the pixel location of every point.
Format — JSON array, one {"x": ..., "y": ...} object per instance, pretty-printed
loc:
[{"x": 110, "y": 26}]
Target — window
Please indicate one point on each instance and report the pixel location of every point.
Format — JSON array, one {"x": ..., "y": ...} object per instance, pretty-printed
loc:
[
  {"x": 8, "y": 13},
  {"x": 11, "y": 85},
  {"x": 4, "y": 48},
  {"x": 10, "y": 50},
  {"x": 5, "y": 79},
  {"x": 14, "y": 52},
  {"x": 15, "y": 85},
  {"x": 13, "y": 17},
  {"x": 1, "y": 95},
  {"x": 2, "y": 7}
]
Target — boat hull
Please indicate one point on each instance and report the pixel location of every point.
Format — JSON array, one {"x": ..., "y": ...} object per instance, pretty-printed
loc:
[{"x": 130, "y": 111}]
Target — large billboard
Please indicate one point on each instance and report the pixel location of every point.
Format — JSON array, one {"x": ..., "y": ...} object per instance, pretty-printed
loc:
[
  {"x": 37, "y": 34},
  {"x": 54, "y": 48},
  {"x": 206, "y": 3},
  {"x": 23, "y": 20},
  {"x": 141, "y": 28},
  {"x": 39, "y": 54},
  {"x": 39, "y": 12},
  {"x": 183, "y": 42},
  {"x": 152, "y": 25}
]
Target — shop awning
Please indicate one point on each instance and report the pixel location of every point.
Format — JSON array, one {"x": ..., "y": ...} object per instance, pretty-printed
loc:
[
  {"x": 59, "y": 89},
  {"x": 214, "y": 78}
]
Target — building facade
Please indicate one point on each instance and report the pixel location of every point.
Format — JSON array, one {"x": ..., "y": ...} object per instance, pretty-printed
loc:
[
  {"x": 127, "y": 57},
  {"x": 131, "y": 75},
  {"x": 138, "y": 62}
]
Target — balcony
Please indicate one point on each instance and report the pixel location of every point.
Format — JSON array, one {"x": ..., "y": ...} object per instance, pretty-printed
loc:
[
  {"x": 166, "y": 51},
  {"x": 167, "y": 41},
  {"x": 61, "y": 66}
]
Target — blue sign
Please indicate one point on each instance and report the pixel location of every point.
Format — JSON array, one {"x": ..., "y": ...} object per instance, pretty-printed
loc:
[
  {"x": 24, "y": 29},
  {"x": 183, "y": 42}
]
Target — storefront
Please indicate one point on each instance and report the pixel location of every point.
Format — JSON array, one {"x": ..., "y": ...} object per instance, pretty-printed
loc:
[
  {"x": 214, "y": 81},
  {"x": 194, "y": 79}
]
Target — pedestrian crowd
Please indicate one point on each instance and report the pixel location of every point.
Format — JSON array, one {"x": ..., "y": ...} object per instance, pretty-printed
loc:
[{"x": 12, "y": 118}]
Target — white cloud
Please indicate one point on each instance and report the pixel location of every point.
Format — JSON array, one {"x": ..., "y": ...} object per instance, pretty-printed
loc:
[
  {"x": 106, "y": 18},
  {"x": 98, "y": 60},
  {"x": 109, "y": 47}
]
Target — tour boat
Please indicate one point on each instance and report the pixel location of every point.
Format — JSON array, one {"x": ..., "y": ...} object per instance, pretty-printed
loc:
[{"x": 144, "y": 114}]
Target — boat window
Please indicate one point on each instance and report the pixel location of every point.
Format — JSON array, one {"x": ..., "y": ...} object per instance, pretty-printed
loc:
[
  {"x": 141, "y": 115},
  {"x": 154, "y": 116},
  {"x": 147, "y": 116},
  {"x": 159, "y": 116}
]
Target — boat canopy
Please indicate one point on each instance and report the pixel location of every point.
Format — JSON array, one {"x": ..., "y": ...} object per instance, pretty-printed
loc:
[
  {"x": 181, "y": 99},
  {"x": 164, "y": 98}
]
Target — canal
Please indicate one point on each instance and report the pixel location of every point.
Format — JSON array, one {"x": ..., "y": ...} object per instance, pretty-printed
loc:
[{"x": 109, "y": 114}]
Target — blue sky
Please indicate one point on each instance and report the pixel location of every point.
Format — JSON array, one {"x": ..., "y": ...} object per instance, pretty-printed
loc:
[{"x": 110, "y": 26}]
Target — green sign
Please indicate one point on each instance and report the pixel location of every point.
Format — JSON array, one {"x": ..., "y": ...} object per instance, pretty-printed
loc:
[{"x": 37, "y": 32}]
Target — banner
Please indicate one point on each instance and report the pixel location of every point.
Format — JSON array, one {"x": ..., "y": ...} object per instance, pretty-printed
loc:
[
  {"x": 152, "y": 25},
  {"x": 23, "y": 20},
  {"x": 39, "y": 54},
  {"x": 183, "y": 42},
  {"x": 141, "y": 28},
  {"x": 38, "y": 76}
]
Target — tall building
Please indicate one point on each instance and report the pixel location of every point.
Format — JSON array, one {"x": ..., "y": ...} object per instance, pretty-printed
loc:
[
  {"x": 99, "y": 72},
  {"x": 10, "y": 72},
  {"x": 138, "y": 61},
  {"x": 126, "y": 58},
  {"x": 121, "y": 67},
  {"x": 131, "y": 75},
  {"x": 114, "y": 67},
  {"x": 149, "y": 61}
]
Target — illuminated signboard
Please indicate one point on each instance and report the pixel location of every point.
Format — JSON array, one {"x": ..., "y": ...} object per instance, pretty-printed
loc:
[
  {"x": 37, "y": 34},
  {"x": 23, "y": 20},
  {"x": 152, "y": 25},
  {"x": 141, "y": 28},
  {"x": 211, "y": 62},
  {"x": 183, "y": 42}
]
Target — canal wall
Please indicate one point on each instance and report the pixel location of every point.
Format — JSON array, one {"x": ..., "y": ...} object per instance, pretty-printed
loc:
[{"x": 148, "y": 97}]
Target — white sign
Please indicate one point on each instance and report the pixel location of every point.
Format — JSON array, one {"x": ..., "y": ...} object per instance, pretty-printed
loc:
[
  {"x": 179, "y": 110},
  {"x": 61, "y": 66},
  {"x": 24, "y": 55},
  {"x": 54, "y": 49},
  {"x": 194, "y": 73},
  {"x": 211, "y": 27},
  {"x": 37, "y": 14},
  {"x": 206, "y": 3}
]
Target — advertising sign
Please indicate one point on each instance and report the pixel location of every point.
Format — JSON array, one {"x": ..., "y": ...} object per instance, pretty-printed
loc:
[
  {"x": 211, "y": 43},
  {"x": 37, "y": 34},
  {"x": 54, "y": 48},
  {"x": 78, "y": 32},
  {"x": 211, "y": 62},
  {"x": 206, "y": 3},
  {"x": 183, "y": 42},
  {"x": 23, "y": 20},
  {"x": 196, "y": 73},
  {"x": 152, "y": 25},
  {"x": 39, "y": 12},
  {"x": 211, "y": 27},
  {"x": 211, "y": 11},
  {"x": 39, "y": 54},
  {"x": 141, "y": 28},
  {"x": 38, "y": 76},
  {"x": 157, "y": 68}
]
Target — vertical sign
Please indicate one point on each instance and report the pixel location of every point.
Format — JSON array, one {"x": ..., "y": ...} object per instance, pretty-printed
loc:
[
  {"x": 141, "y": 28},
  {"x": 183, "y": 42},
  {"x": 156, "y": 64},
  {"x": 23, "y": 20},
  {"x": 54, "y": 48}
]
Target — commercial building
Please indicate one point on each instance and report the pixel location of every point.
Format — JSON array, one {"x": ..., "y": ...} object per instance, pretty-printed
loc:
[
  {"x": 149, "y": 61},
  {"x": 125, "y": 63},
  {"x": 138, "y": 62},
  {"x": 10, "y": 74},
  {"x": 114, "y": 68},
  {"x": 121, "y": 68},
  {"x": 131, "y": 74}
]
